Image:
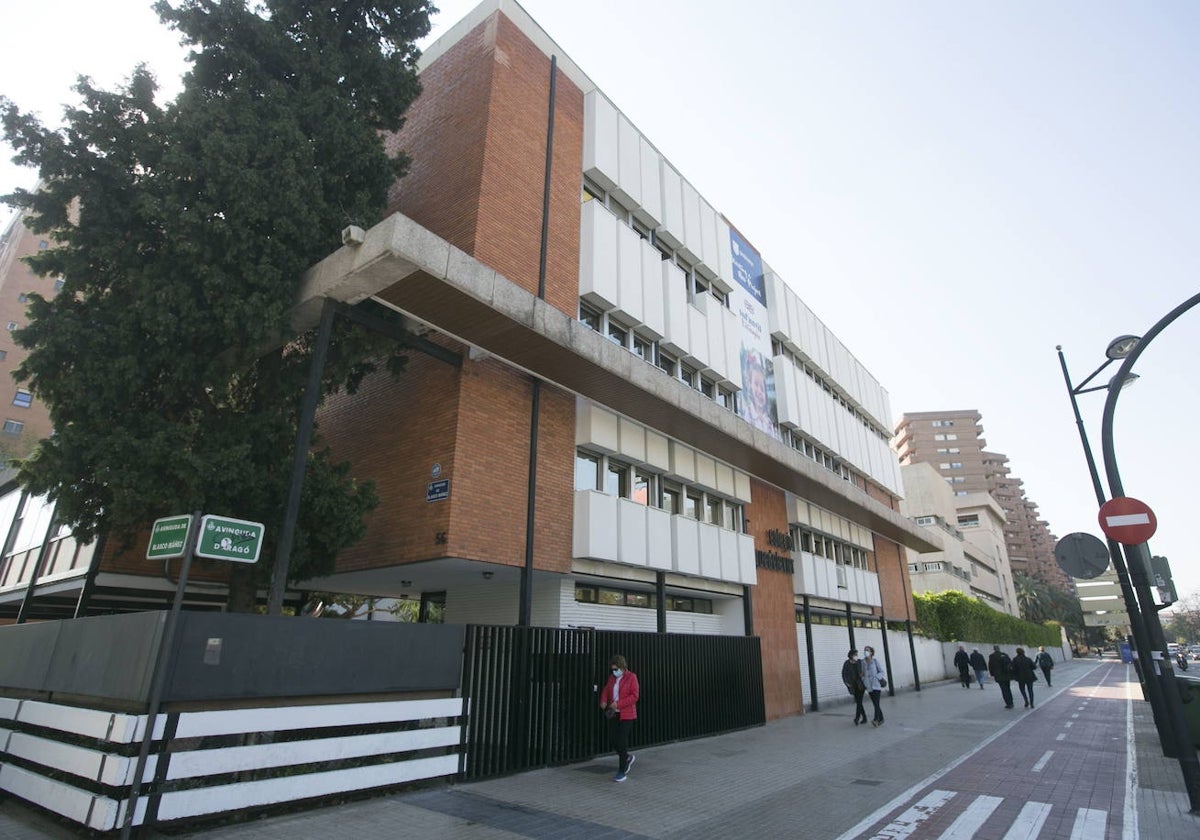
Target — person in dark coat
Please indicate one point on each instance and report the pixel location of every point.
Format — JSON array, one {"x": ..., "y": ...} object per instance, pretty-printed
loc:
[
  {"x": 1025, "y": 673},
  {"x": 1046, "y": 662},
  {"x": 980, "y": 666},
  {"x": 963, "y": 663},
  {"x": 1000, "y": 667},
  {"x": 852, "y": 677}
]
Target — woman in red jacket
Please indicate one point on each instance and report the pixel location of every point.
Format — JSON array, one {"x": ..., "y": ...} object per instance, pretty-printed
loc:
[{"x": 619, "y": 702}]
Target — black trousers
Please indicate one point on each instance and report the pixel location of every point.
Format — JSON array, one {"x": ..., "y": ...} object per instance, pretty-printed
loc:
[
  {"x": 875, "y": 702},
  {"x": 1046, "y": 673},
  {"x": 618, "y": 736},
  {"x": 1006, "y": 691},
  {"x": 860, "y": 714},
  {"x": 1026, "y": 691},
  {"x": 964, "y": 676}
]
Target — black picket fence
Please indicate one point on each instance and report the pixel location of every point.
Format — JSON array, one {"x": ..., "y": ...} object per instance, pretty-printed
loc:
[{"x": 533, "y": 692}]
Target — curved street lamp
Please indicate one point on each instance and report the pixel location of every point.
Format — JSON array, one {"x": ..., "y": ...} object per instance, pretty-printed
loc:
[
  {"x": 1138, "y": 558},
  {"x": 1119, "y": 348}
]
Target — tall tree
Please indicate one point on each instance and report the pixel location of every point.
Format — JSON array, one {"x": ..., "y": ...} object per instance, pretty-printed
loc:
[{"x": 168, "y": 361}]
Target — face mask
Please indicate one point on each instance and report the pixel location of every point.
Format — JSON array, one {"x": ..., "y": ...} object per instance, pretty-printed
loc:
[{"x": 617, "y": 672}]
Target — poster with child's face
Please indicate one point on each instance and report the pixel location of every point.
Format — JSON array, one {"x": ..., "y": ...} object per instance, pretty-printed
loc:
[{"x": 748, "y": 300}]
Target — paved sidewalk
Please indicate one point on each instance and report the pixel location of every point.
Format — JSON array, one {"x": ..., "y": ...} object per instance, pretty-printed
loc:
[{"x": 811, "y": 776}]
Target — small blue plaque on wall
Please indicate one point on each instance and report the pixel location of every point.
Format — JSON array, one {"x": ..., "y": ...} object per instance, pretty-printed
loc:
[{"x": 437, "y": 491}]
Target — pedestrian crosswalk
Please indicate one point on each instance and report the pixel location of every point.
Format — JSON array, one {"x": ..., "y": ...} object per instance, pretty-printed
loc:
[{"x": 979, "y": 811}]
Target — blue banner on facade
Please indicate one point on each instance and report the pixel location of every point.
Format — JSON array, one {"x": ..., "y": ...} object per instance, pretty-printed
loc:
[{"x": 747, "y": 267}]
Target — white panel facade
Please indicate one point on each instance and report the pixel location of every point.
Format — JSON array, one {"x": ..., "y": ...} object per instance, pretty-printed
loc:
[
  {"x": 629, "y": 275},
  {"x": 658, "y": 539},
  {"x": 676, "y": 322},
  {"x": 830, "y": 644},
  {"x": 685, "y": 545},
  {"x": 600, "y": 140},
  {"x": 706, "y": 472},
  {"x": 654, "y": 317},
  {"x": 651, "y": 209},
  {"x": 698, "y": 332},
  {"x": 671, "y": 231},
  {"x": 733, "y": 347},
  {"x": 709, "y": 254},
  {"x": 715, "y": 327},
  {"x": 787, "y": 405},
  {"x": 595, "y": 531},
  {"x": 596, "y": 428},
  {"x": 598, "y": 255},
  {"x": 683, "y": 462},
  {"x": 629, "y": 163},
  {"x": 731, "y": 568},
  {"x": 631, "y": 533},
  {"x": 710, "y": 550},
  {"x": 724, "y": 266},
  {"x": 692, "y": 234}
]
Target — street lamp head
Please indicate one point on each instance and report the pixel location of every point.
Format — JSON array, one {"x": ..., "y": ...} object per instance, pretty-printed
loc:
[
  {"x": 1130, "y": 378},
  {"x": 1121, "y": 346}
]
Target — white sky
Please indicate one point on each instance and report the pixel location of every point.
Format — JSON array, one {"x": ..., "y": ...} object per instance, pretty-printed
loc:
[{"x": 1039, "y": 159}]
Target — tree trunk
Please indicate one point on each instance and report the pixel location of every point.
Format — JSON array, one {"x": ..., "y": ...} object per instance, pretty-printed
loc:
[{"x": 243, "y": 589}]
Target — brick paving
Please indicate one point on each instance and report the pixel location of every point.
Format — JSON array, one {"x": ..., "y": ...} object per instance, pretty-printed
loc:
[{"x": 813, "y": 776}]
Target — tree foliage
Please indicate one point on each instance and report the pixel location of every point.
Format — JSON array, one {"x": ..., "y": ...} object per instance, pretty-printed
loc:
[
  {"x": 952, "y": 616},
  {"x": 168, "y": 361},
  {"x": 1182, "y": 623}
]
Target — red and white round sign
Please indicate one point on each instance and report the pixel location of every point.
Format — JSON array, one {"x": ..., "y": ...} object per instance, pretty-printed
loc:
[{"x": 1128, "y": 521}]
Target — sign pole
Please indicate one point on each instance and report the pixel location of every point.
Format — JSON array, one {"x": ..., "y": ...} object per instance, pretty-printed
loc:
[{"x": 160, "y": 676}]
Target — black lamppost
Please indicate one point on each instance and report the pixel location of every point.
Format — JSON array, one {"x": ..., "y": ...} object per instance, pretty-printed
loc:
[
  {"x": 1119, "y": 348},
  {"x": 1138, "y": 557}
]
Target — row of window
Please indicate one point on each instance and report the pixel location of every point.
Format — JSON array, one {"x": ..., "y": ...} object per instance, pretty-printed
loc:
[
  {"x": 937, "y": 424},
  {"x": 697, "y": 277},
  {"x": 950, "y": 465},
  {"x": 831, "y": 548},
  {"x": 12, "y": 427},
  {"x": 608, "y": 596},
  {"x": 649, "y": 351},
  {"x": 945, "y": 437},
  {"x": 837, "y": 620},
  {"x": 618, "y": 478},
  {"x": 778, "y": 348}
]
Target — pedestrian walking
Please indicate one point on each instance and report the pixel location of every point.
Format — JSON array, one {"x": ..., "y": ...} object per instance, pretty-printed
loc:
[
  {"x": 980, "y": 666},
  {"x": 1025, "y": 673},
  {"x": 852, "y": 677},
  {"x": 1046, "y": 662},
  {"x": 1000, "y": 667},
  {"x": 619, "y": 702},
  {"x": 873, "y": 679},
  {"x": 963, "y": 663}
]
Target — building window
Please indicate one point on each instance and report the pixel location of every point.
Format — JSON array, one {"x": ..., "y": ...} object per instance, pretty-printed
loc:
[
  {"x": 643, "y": 349},
  {"x": 22, "y": 298},
  {"x": 617, "y": 334},
  {"x": 643, "y": 487},
  {"x": 714, "y": 511},
  {"x": 616, "y": 479},
  {"x": 609, "y": 596},
  {"x": 587, "y": 471},
  {"x": 672, "y": 498},
  {"x": 24, "y": 398},
  {"x": 589, "y": 316},
  {"x": 926, "y": 520},
  {"x": 12, "y": 325},
  {"x": 58, "y": 284},
  {"x": 3, "y": 355},
  {"x": 968, "y": 520},
  {"x": 43, "y": 244},
  {"x": 691, "y": 504},
  {"x": 937, "y": 424},
  {"x": 687, "y": 375},
  {"x": 667, "y": 362},
  {"x": 13, "y": 427}
]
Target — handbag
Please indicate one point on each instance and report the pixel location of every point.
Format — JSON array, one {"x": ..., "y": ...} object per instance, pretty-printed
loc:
[
  {"x": 610, "y": 713},
  {"x": 882, "y": 682}
]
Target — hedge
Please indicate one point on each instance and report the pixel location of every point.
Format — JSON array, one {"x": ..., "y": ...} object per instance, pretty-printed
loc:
[{"x": 952, "y": 616}]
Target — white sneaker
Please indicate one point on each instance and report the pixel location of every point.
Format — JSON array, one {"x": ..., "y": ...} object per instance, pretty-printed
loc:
[{"x": 629, "y": 764}]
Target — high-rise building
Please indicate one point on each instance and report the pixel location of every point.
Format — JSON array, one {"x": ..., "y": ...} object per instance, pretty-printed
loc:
[
  {"x": 25, "y": 419},
  {"x": 952, "y": 442}
]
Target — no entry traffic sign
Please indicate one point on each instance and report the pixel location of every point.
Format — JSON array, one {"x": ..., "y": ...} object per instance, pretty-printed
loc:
[{"x": 1128, "y": 521}]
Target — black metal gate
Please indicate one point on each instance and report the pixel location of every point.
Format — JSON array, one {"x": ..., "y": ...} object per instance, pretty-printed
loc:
[{"x": 532, "y": 693}]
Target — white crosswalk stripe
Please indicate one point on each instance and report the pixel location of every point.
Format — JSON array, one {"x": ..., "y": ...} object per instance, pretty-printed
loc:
[
  {"x": 1029, "y": 822},
  {"x": 1089, "y": 824},
  {"x": 905, "y": 824},
  {"x": 972, "y": 819}
]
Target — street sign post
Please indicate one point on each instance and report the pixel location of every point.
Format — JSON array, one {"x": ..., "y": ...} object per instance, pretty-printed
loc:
[
  {"x": 168, "y": 537},
  {"x": 222, "y": 538},
  {"x": 1127, "y": 520}
]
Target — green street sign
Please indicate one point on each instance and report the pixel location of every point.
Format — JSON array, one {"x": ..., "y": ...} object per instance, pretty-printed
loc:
[
  {"x": 222, "y": 538},
  {"x": 168, "y": 537}
]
